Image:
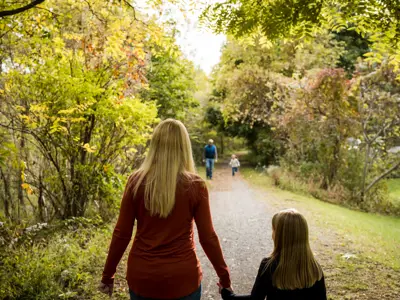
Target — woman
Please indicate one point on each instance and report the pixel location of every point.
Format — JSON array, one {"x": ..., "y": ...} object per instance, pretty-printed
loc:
[
  {"x": 291, "y": 271},
  {"x": 164, "y": 197}
]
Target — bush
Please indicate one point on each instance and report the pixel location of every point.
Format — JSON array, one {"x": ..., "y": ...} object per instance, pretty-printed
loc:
[
  {"x": 275, "y": 173},
  {"x": 378, "y": 199},
  {"x": 59, "y": 265}
]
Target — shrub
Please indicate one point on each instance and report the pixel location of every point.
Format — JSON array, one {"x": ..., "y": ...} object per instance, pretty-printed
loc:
[
  {"x": 58, "y": 265},
  {"x": 378, "y": 199},
  {"x": 275, "y": 173}
]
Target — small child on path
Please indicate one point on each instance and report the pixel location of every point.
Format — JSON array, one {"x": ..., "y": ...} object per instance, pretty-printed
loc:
[
  {"x": 235, "y": 164},
  {"x": 291, "y": 271}
]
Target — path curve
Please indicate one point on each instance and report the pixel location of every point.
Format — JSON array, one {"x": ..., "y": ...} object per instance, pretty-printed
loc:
[{"x": 243, "y": 224}]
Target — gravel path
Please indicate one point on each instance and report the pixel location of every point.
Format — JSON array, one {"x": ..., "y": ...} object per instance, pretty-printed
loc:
[{"x": 242, "y": 223}]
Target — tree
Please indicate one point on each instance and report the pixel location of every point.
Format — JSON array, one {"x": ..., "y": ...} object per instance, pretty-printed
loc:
[
  {"x": 280, "y": 18},
  {"x": 70, "y": 86},
  {"x": 255, "y": 80},
  {"x": 377, "y": 92},
  {"x": 318, "y": 123},
  {"x": 171, "y": 80}
]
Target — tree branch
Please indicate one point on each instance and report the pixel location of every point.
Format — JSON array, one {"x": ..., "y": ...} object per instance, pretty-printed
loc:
[
  {"x": 133, "y": 8},
  {"x": 383, "y": 175},
  {"x": 5, "y": 13}
]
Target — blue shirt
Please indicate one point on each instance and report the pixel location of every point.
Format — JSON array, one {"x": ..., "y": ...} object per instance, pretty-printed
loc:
[{"x": 210, "y": 151}]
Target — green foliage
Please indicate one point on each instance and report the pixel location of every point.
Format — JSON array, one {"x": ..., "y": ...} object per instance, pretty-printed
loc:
[
  {"x": 54, "y": 263},
  {"x": 171, "y": 80},
  {"x": 294, "y": 107},
  {"x": 355, "y": 46},
  {"x": 394, "y": 191},
  {"x": 274, "y": 17},
  {"x": 352, "y": 21},
  {"x": 81, "y": 86},
  {"x": 323, "y": 108},
  {"x": 278, "y": 19}
]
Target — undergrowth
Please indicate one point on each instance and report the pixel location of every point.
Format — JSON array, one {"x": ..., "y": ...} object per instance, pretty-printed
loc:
[{"x": 60, "y": 261}]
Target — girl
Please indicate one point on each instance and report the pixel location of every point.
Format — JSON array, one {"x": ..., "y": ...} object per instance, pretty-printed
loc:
[
  {"x": 164, "y": 197},
  {"x": 291, "y": 271},
  {"x": 234, "y": 163}
]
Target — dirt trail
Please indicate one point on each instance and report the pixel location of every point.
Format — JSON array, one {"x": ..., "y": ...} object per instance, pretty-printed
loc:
[{"x": 242, "y": 223}]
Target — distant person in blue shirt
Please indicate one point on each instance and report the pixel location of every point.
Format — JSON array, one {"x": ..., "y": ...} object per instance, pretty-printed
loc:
[{"x": 210, "y": 156}]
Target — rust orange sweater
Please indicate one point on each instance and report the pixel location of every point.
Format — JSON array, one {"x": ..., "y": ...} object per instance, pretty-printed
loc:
[{"x": 162, "y": 263}]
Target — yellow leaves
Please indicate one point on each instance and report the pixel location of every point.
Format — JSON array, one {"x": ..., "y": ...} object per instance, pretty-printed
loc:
[
  {"x": 88, "y": 148},
  {"x": 265, "y": 43},
  {"x": 67, "y": 111},
  {"x": 24, "y": 185},
  {"x": 80, "y": 108},
  {"x": 76, "y": 120},
  {"x": 114, "y": 47},
  {"x": 374, "y": 57},
  {"x": 20, "y": 108},
  {"x": 38, "y": 108},
  {"x": 7, "y": 86},
  {"x": 132, "y": 150},
  {"x": 27, "y": 188},
  {"x": 56, "y": 127},
  {"x": 73, "y": 36},
  {"x": 26, "y": 119},
  {"x": 58, "y": 44}
]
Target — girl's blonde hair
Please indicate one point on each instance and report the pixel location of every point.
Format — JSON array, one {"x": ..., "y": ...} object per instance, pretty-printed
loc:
[
  {"x": 170, "y": 156},
  {"x": 296, "y": 266}
]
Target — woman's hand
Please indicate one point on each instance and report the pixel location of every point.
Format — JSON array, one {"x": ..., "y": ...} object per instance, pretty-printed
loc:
[{"x": 106, "y": 288}]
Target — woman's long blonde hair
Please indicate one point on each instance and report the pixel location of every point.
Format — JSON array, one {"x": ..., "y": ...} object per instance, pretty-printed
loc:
[
  {"x": 296, "y": 266},
  {"x": 170, "y": 155}
]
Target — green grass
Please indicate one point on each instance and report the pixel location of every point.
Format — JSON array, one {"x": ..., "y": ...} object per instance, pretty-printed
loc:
[
  {"x": 394, "y": 190},
  {"x": 375, "y": 237}
]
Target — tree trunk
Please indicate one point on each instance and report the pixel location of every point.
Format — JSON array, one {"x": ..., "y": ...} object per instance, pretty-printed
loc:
[
  {"x": 364, "y": 177},
  {"x": 334, "y": 163},
  {"x": 222, "y": 143},
  {"x": 80, "y": 198},
  {"x": 20, "y": 191},
  {"x": 20, "y": 194},
  {"x": 41, "y": 201},
  {"x": 7, "y": 195}
]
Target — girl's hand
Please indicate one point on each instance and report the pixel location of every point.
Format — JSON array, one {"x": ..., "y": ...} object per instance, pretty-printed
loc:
[
  {"x": 106, "y": 288},
  {"x": 220, "y": 287}
]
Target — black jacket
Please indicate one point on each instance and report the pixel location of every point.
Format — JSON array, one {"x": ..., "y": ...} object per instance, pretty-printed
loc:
[{"x": 263, "y": 288}]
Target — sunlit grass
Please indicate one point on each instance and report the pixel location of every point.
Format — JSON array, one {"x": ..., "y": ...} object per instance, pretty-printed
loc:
[
  {"x": 376, "y": 237},
  {"x": 394, "y": 190}
]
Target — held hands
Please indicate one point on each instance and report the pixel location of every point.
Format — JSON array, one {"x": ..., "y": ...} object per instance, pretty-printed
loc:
[
  {"x": 220, "y": 288},
  {"x": 106, "y": 288}
]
